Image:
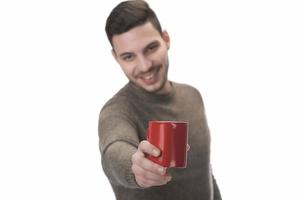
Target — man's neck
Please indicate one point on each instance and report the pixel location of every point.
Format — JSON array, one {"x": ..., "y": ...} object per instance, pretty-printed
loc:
[{"x": 167, "y": 88}]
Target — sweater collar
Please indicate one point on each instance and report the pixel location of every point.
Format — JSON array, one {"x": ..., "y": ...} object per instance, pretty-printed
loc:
[{"x": 143, "y": 94}]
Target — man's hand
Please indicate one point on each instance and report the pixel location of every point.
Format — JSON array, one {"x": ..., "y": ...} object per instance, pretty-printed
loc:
[{"x": 148, "y": 173}]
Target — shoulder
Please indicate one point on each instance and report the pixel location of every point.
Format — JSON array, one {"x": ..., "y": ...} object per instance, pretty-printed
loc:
[
  {"x": 188, "y": 94},
  {"x": 186, "y": 89},
  {"x": 117, "y": 122},
  {"x": 117, "y": 104}
]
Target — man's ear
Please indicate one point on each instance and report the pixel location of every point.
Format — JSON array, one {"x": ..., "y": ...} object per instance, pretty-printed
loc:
[{"x": 166, "y": 38}]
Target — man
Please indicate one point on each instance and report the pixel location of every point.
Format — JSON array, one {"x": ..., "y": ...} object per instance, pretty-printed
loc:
[{"x": 141, "y": 49}]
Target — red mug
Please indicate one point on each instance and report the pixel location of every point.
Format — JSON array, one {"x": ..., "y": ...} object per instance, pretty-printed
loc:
[{"x": 171, "y": 138}]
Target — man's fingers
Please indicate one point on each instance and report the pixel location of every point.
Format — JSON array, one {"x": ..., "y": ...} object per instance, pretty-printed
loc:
[
  {"x": 149, "y": 183},
  {"x": 139, "y": 159},
  {"x": 140, "y": 172},
  {"x": 148, "y": 173},
  {"x": 147, "y": 147}
]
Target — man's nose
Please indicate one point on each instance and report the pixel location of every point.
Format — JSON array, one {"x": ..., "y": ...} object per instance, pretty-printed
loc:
[{"x": 144, "y": 63}]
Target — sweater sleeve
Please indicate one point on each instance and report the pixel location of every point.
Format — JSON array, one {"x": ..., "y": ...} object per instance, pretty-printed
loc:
[
  {"x": 217, "y": 193},
  {"x": 116, "y": 163},
  {"x": 118, "y": 142}
]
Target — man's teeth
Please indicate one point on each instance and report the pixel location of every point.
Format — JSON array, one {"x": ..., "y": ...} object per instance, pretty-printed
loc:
[{"x": 149, "y": 76}]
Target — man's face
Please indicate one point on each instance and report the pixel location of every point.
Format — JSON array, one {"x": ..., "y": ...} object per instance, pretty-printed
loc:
[{"x": 143, "y": 56}]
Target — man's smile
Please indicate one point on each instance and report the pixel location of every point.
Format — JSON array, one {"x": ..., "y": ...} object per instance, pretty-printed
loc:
[{"x": 150, "y": 77}]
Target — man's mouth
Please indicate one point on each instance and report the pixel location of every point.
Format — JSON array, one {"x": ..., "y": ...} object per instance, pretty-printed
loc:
[{"x": 149, "y": 77}]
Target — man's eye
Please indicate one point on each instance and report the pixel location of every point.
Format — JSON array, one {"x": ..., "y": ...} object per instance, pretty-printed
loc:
[
  {"x": 152, "y": 48},
  {"x": 127, "y": 58}
]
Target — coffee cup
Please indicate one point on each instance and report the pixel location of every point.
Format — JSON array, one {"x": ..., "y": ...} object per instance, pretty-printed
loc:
[{"x": 171, "y": 138}]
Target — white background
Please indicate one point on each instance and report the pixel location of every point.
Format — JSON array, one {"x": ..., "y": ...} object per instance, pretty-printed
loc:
[{"x": 56, "y": 72}]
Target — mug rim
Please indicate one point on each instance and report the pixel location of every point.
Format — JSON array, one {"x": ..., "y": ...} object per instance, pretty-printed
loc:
[{"x": 166, "y": 122}]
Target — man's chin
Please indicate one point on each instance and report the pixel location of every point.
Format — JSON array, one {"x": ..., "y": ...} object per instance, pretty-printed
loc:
[
  {"x": 154, "y": 88},
  {"x": 151, "y": 88}
]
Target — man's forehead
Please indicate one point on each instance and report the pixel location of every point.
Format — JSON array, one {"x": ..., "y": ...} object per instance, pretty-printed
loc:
[{"x": 136, "y": 38}]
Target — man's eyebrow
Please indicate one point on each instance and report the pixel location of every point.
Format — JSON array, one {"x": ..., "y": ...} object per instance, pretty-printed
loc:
[
  {"x": 145, "y": 49},
  {"x": 150, "y": 44},
  {"x": 125, "y": 54}
]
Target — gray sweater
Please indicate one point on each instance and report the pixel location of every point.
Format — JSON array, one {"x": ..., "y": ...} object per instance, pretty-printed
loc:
[{"x": 122, "y": 125}]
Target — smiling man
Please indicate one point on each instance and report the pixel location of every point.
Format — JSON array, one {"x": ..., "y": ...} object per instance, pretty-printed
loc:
[
  {"x": 141, "y": 47},
  {"x": 142, "y": 52}
]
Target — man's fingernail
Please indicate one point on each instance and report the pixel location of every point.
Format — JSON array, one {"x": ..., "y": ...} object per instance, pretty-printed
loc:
[
  {"x": 168, "y": 179},
  {"x": 161, "y": 170},
  {"x": 156, "y": 152}
]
